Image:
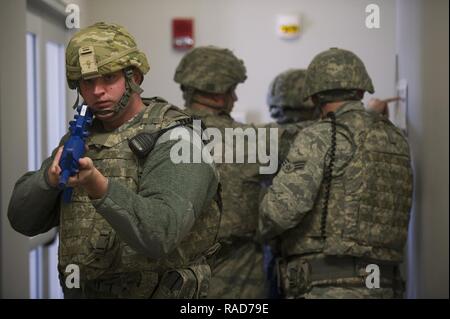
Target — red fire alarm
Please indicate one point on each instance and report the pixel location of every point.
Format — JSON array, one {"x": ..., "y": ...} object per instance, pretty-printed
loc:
[{"x": 182, "y": 33}]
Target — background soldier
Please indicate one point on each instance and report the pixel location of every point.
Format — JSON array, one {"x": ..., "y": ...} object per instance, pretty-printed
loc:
[
  {"x": 285, "y": 100},
  {"x": 287, "y": 108},
  {"x": 137, "y": 226},
  {"x": 341, "y": 200},
  {"x": 208, "y": 77},
  {"x": 292, "y": 114}
]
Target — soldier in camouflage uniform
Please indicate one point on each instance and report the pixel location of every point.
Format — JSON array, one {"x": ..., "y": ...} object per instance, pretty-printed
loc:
[
  {"x": 291, "y": 114},
  {"x": 287, "y": 107},
  {"x": 285, "y": 101},
  {"x": 342, "y": 198},
  {"x": 208, "y": 77},
  {"x": 137, "y": 226}
]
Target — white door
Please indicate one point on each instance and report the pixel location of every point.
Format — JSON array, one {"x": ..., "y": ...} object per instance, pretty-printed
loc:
[{"x": 46, "y": 105}]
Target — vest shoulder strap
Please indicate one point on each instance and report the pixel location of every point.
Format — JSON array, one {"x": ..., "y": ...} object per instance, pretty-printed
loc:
[{"x": 162, "y": 114}]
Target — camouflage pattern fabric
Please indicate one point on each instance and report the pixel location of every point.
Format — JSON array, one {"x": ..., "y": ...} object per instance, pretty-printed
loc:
[
  {"x": 238, "y": 271},
  {"x": 210, "y": 69},
  {"x": 285, "y": 101},
  {"x": 310, "y": 275},
  {"x": 114, "y": 49},
  {"x": 288, "y": 133},
  {"x": 156, "y": 216},
  {"x": 337, "y": 95},
  {"x": 113, "y": 157},
  {"x": 286, "y": 90},
  {"x": 370, "y": 196},
  {"x": 336, "y": 69},
  {"x": 291, "y": 115},
  {"x": 107, "y": 254}
]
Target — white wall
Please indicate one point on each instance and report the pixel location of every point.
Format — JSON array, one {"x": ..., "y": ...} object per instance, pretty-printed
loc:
[
  {"x": 422, "y": 44},
  {"x": 248, "y": 28}
]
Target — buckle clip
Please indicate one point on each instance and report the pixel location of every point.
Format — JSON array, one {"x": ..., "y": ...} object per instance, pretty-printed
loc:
[{"x": 88, "y": 64}]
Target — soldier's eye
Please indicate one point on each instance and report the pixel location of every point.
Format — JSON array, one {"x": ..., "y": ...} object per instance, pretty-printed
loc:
[
  {"x": 109, "y": 77},
  {"x": 89, "y": 82}
]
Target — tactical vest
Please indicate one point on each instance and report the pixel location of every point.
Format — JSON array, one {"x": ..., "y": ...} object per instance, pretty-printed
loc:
[
  {"x": 109, "y": 267},
  {"x": 240, "y": 186},
  {"x": 370, "y": 199}
]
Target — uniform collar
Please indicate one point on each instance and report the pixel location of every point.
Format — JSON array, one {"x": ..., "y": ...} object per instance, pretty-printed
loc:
[
  {"x": 205, "y": 113},
  {"x": 98, "y": 126},
  {"x": 350, "y": 106},
  {"x": 111, "y": 138}
]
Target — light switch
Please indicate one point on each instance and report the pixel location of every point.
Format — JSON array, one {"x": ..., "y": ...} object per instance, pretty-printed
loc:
[{"x": 399, "y": 113}]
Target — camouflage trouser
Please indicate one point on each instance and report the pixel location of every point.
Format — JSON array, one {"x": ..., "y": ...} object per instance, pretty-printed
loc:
[
  {"x": 238, "y": 272},
  {"x": 333, "y": 277}
]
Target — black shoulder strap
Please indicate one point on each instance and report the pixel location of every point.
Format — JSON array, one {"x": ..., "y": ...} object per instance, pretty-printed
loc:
[{"x": 143, "y": 143}]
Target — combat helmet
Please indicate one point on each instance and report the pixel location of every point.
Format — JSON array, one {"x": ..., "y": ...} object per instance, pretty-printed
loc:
[
  {"x": 336, "y": 69},
  {"x": 284, "y": 98},
  {"x": 210, "y": 69},
  {"x": 286, "y": 90},
  {"x": 104, "y": 48}
]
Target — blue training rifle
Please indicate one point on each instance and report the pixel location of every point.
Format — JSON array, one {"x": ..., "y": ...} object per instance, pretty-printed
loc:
[{"x": 74, "y": 148}]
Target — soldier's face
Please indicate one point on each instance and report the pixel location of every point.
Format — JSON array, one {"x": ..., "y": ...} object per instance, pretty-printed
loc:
[
  {"x": 103, "y": 93},
  {"x": 230, "y": 98},
  {"x": 276, "y": 112}
]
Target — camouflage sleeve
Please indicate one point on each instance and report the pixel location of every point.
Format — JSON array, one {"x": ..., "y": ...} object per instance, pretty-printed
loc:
[
  {"x": 296, "y": 185},
  {"x": 170, "y": 198},
  {"x": 34, "y": 204}
]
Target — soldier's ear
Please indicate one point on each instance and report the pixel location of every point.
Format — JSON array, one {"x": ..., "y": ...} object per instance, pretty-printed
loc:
[
  {"x": 315, "y": 100},
  {"x": 360, "y": 94},
  {"x": 137, "y": 76}
]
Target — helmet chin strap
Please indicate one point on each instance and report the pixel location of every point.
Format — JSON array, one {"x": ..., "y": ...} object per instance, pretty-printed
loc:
[
  {"x": 75, "y": 105},
  {"x": 188, "y": 94},
  {"x": 130, "y": 87}
]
